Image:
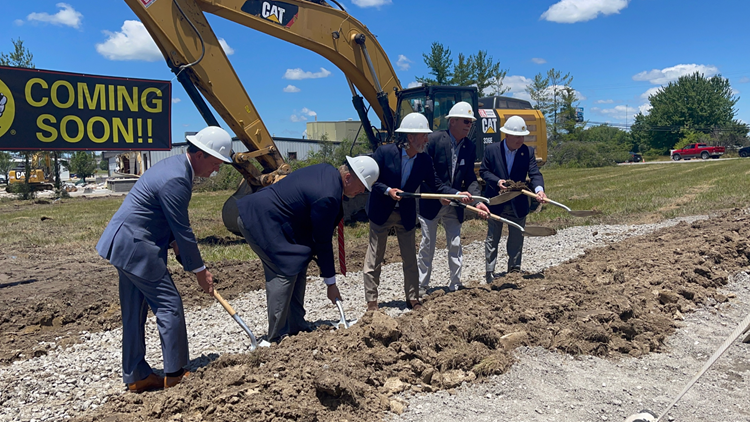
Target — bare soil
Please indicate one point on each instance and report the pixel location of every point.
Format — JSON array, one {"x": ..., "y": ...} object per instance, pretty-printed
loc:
[{"x": 622, "y": 299}]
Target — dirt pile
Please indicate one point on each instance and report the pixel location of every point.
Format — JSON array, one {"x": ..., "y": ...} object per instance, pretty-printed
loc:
[{"x": 617, "y": 300}]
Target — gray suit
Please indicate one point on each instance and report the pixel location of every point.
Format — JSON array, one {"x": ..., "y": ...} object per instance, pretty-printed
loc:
[{"x": 136, "y": 240}]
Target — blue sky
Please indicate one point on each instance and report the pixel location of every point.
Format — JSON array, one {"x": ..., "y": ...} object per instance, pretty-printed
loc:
[{"x": 618, "y": 51}]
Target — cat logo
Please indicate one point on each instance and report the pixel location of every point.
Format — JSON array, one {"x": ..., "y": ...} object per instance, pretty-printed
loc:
[
  {"x": 7, "y": 108},
  {"x": 489, "y": 125},
  {"x": 275, "y": 11}
]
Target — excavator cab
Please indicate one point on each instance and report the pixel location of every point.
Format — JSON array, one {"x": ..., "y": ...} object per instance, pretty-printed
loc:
[{"x": 435, "y": 102}]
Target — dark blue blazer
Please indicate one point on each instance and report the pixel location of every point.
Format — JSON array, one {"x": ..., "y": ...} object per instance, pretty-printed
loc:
[
  {"x": 293, "y": 219},
  {"x": 439, "y": 148},
  {"x": 154, "y": 213},
  {"x": 494, "y": 168},
  {"x": 380, "y": 206}
]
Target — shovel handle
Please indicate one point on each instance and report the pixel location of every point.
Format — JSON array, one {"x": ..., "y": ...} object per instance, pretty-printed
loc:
[
  {"x": 441, "y": 196},
  {"x": 535, "y": 196},
  {"x": 224, "y": 303},
  {"x": 341, "y": 311},
  {"x": 495, "y": 217}
]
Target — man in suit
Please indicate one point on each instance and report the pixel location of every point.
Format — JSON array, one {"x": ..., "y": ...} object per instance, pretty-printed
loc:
[
  {"x": 506, "y": 161},
  {"x": 403, "y": 167},
  {"x": 453, "y": 155},
  {"x": 153, "y": 218},
  {"x": 291, "y": 222}
]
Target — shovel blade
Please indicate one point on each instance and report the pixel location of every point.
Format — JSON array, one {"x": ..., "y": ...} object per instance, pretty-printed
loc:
[
  {"x": 504, "y": 197},
  {"x": 538, "y": 231},
  {"x": 584, "y": 213}
]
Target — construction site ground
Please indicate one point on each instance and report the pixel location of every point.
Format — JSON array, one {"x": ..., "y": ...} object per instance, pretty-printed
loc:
[{"x": 619, "y": 302}]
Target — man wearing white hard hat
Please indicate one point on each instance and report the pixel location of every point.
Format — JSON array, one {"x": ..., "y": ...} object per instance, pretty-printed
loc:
[
  {"x": 509, "y": 161},
  {"x": 290, "y": 223},
  {"x": 403, "y": 168},
  {"x": 453, "y": 155},
  {"x": 152, "y": 218}
]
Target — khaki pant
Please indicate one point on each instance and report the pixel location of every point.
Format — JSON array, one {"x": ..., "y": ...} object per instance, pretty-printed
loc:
[{"x": 376, "y": 252}]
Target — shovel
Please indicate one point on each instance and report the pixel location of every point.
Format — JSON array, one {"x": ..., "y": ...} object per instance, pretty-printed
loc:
[
  {"x": 442, "y": 196},
  {"x": 528, "y": 231},
  {"x": 228, "y": 307},
  {"x": 343, "y": 321},
  {"x": 586, "y": 213},
  {"x": 504, "y": 197}
]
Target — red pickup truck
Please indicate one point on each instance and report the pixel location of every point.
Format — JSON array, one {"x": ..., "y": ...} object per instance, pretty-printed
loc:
[{"x": 697, "y": 150}]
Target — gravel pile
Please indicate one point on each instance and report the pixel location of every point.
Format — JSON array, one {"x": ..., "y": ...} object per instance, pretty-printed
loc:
[{"x": 541, "y": 386}]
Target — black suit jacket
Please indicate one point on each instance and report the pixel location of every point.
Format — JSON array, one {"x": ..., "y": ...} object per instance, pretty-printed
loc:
[
  {"x": 439, "y": 148},
  {"x": 494, "y": 168},
  {"x": 293, "y": 219},
  {"x": 380, "y": 206}
]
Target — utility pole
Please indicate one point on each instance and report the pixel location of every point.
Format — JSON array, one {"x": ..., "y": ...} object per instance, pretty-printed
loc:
[{"x": 626, "y": 117}]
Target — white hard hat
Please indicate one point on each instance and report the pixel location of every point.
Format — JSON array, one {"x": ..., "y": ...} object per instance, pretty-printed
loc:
[
  {"x": 215, "y": 141},
  {"x": 414, "y": 123},
  {"x": 462, "y": 110},
  {"x": 365, "y": 168},
  {"x": 515, "y": 125}
]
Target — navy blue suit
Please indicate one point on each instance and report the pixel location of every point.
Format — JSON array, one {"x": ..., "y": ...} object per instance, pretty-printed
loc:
[
  {"x": 288, "y": 224},
  {"x": 380, "y": 205},
  {"x": 136, "y": 240},
  {"x": 493, "y": 169},
  {"x": 464, "y": 179},
  {"x": 384, "y": 215}
]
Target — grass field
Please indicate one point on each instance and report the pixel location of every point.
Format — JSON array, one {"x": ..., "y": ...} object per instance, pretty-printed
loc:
[{"x": 624, "y": 194}]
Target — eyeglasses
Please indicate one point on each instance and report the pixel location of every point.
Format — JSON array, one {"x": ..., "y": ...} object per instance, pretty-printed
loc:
[{"x": 467, "y": 121}]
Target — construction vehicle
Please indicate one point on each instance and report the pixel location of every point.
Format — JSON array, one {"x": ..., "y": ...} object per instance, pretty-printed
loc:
[
  {"x": 37, "y": 181},
  {"x": 192, "y": 51}
]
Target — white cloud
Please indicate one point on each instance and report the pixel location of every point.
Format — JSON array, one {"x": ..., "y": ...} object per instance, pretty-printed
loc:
[
  {"x": 175, "y": 100},
  {"x": 572, "y": 11},
  {"x": 735, "y": 92},
  {"x": 18, "y": 22},
  {"x": 67, "y": 16},
  {"x": 669, "y": 74},
  {"x": 291, "y": 88},
  {"x": 744, "y": 80},
  {"x": 645, "y": 108},
  {"x": 414, "y": 84},
  {"x": 650, "y": 92},
  {"x": 227, "y": 49},
  {"x": 298, "y": 74},
  {"x": 604, "y": 102},
  {"x": 517, "y": 83},
  {"x": 133, "y": 42},
  {"x": 403, "y": 63},
  {"x": 371, "y": 3},
  {"x": 302, "y": 115},
  {"x": 538, "y": 60}
]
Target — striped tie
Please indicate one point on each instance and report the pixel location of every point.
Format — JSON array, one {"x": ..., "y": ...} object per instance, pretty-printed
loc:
[{"x": 342, "y": 254}]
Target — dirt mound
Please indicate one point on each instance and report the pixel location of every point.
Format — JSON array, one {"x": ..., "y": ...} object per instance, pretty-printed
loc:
[{"x": 616, "y": 300}]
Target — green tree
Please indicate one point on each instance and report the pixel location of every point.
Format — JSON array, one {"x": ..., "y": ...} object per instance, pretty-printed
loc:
[
  {"x": 83, "y": 164},
  {"x": 693, "y": 103},
  {"x": 597, "y": 146},
  {"x": 537, "y": 90},
  {"x": 485, "y": 70},
  {"x": 6, "y": 163},
  {"x": 553, "y": 95},
  {"x": 104, "y": 165},
  {"x": 20, "y": 57},
  {"x": 497, "y": 84},
  {"x": 463, "y": 71},
  {"x": 439, "y": 62}
]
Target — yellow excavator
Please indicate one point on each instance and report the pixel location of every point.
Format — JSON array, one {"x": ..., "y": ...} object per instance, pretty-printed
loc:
[{"x": 192, "y": 51}]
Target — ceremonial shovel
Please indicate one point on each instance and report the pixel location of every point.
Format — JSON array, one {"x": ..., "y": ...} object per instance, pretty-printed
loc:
[
  {"x": 228, "y": 307},
  {"x": 587, "y": 213},
  {"x": 504, "y": 197},
  {"x": 343, "y": 321},
  {"x": 442, "y": 196},
  {"x": 529, "y": 231}
]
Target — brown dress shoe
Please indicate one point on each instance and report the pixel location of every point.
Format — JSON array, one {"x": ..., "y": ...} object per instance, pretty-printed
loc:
[
  {"x": 172, "y": 381},
  {"x": 415, "y": 305},
  {"x": 151, "y": 382},
  {"x": 372, "y": 305}
]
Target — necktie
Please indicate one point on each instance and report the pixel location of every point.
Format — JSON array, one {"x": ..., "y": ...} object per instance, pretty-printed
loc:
[{"x": 342, "y": 254}]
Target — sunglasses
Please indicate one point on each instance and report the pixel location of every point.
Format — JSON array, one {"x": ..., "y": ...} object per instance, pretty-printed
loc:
[{"x": 468, "y": 122}]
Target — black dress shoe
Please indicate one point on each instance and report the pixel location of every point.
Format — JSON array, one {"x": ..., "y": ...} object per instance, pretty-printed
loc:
[{"x": 514, "y": 270}]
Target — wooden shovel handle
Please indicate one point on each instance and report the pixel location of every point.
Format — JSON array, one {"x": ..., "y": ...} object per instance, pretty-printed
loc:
[
  {"x": 224, "y": 303},
  {"x": 529, "y": 193}
]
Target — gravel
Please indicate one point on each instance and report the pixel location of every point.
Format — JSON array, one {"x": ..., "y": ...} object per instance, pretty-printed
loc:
[{"x": 541, "y": 386}]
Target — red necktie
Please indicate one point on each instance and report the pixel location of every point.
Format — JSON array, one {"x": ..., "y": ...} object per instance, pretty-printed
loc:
[{"x": 342, "y": 254}]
